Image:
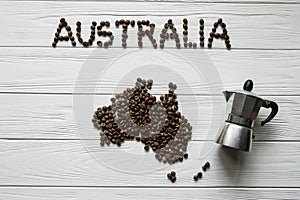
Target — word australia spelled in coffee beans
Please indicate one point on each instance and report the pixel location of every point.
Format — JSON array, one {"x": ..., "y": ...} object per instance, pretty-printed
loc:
[{"x": 168, "y": 32}]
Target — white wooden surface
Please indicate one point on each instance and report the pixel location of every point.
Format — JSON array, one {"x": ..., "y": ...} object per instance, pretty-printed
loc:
[{"x": 42, "y": 155}]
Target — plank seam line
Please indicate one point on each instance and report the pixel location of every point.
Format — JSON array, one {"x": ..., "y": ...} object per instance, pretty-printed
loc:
[
  {"x": 196, "y": 140},
  {"x": 151, "y": 187},
  {"x": 73, "y": 93},
  {"x": 183, "y": 49},
  {"x": 168, "y": 1}
]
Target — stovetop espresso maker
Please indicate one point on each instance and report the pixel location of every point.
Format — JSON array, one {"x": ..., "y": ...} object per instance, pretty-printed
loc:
[{"x": 243, "y": 108}]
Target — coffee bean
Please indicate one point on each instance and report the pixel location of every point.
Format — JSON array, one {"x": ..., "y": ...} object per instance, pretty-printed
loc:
[
  {"x": 170, "y": 21},
  {"x": 169, "y": 175},
  {"x": 207, "y": 165},
  {"x": 173, "y": 179},
  {"x": 210, "y": 39},
  {"x": 201, "y": 32},
  {"x": 202, "y": 44},
  {"x": 62, "y": 20},
  {"x": 228, "y": 46},
  {"x": 220, "y": 20},
  {"x": 132, "y": 23},
  {"x": 209, "y": 45},
  {"x": 185, "y": 26},
  {"x": 73, "y": 43},
  {"x": 204, "y": 168},
  {"x": 195, "y": 178},
  {"x": 78, "y": 23},
  {"x": 85, "y": 44},
  {"x": 216, "y": 25},
  {"x": 54, "y": 44},
  {"x": 117, "y": 23},
  {"x": 70, "y": 33},
  {"x": 223, "y": 25},
  {"x": 199, "y": 174},
  {"x": 185, "y": 21},
  {"x": 185, "y": 155},
  {"x": 201, "y": 27},
  {"x": 68, "y": 28},
  {"x": 201, "y": 21},
  {"x": 146, "y": 147},
  {"x": 173, "y": 173}
]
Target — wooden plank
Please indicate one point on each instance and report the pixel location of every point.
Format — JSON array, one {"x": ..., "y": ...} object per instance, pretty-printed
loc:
[
  {"x": 40, "y": 70},
  {"x": 250, "y": 25},
  {"x": 72, "y": 163},
  {"x": 53, "y": 117},
  {"x": 142, "y": 193}
]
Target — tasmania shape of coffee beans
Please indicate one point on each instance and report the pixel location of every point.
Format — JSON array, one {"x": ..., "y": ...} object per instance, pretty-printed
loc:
[{"x": 136, "y": 114}]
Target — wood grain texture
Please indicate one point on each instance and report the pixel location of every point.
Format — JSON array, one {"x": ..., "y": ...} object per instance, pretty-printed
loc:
[
  {"x": 78, "y": 163},
  {"x": 52, "y": 117},
  {"x": 40, "y": 70},
  {"x": 34, "y": 23},
  {"x": 54, "y": 193}
]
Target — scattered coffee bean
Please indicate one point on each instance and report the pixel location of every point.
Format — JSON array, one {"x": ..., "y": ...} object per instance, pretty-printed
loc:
[
  {"x": 207, "y": 165},
  {"x": 173, "y": 173},
  {"x": 195, "y": 177},
  {"x": 199, "y": 174},
  {"x": 173, "y": 179}
]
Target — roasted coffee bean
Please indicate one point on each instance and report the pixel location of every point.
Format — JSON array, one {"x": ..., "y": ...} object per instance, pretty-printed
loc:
[
  {"x": 202, "y": 44},
  {"x": 201, "y": 38},
  {"x": 223, "y": 25},
  {"x": 78, "y": 23},
  {"x": 58, "y": 30},
  {"x": 60, "y": 25},
  {"x": 185, "y": 26},
  {"x": 146, "y": 147},
  {"x": 80, "y": 40},
  {"x": 62, "y": 20},
  {"x": 122, "y": 21},
  {"x": 117, "y": 23},
  {"x": 185, "y": 155},
  {"x": 213, "y": 30},
  {"x": 56, "y": 34},
  {"x": 173, "y": 173},
  {"x": 132, "y": 23},
  {"x": 94, "y": 23},
  {"x": 220, "y": 20},
  {"x": 152, "y": 25},
  {"x": 169, "y": 176},
  {"x": 209, "y": 45},
  {"x": 225, "y": 31},
  {"x": 227, "y": 41},
  {"x": 147, "y": 22},
  {"x": 204, "y": 168},
  {"x": 78, "y": 29},
  {"x": 211, "y": 34},
  {"x": 99, "y": 43},
  {"x": 66, "y": 38},
  {"x": 216, "y": 24},
  {"x": 68, "y": 28},
  {"x": 73, "y": 43},
  {"x": 173, "y": 179},
  {"x": 85, "y": 44},
  {"x": 201, "y": 27},
  {"x": 201, "y": 32},
  {"x": 54, "y": 44},
  {"x": 195, "y": 178},
  {"x": 102, "y": 23},
  {"x": 201, "y": 22},
  {"x": 93, "y": 28},
  {"x": 185, "y": 21},
  {"x": 170, "y": 21},
  {"x": 207, "y": 165},
  {"x": 210, "y": 39},
  {"x": 70, "y": 33},
  {"x": 217, "y": 35},
  {"x": 199, "y": 174},
  {"x": 72, "y": 38},
  {"x": 228, "y": 46},
  {"x": 56, "y": 39}
]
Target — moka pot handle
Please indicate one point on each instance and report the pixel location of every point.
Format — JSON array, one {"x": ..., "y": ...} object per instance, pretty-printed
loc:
[{"x": 273, "y": 106}]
